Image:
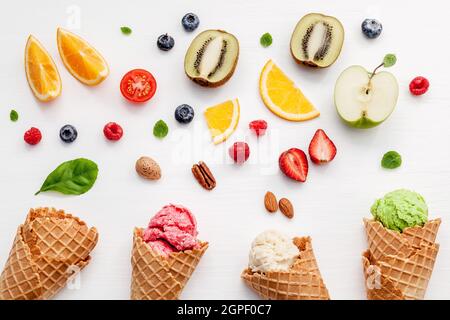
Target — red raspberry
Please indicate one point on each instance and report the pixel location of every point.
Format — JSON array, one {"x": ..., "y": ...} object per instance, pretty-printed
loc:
[
  {"x": 259, "y": 127},
  {"x": 239, "y": 152},
  {"x": 32, "y": 136},
  {"x": 113, "y": 131},
  {"x": 419, "y": 86}
]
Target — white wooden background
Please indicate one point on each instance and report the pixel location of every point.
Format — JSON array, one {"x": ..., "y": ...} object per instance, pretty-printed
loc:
[{"x": 329, "y": 207}]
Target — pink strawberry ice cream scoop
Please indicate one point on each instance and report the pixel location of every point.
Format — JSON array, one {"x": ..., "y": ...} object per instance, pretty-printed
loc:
[{"x": 172, "y": 229}]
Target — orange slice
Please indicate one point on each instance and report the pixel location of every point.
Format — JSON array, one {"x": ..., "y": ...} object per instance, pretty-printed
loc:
[
  {"x": 283, "y": 97},
  {"x": 41, "y": 71},
  {"x": 222, "y": 119},
  {"x": 81, "y": 59}
]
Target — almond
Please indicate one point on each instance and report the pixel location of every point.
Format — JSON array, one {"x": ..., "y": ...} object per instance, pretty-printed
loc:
[
  {"x": 286, "y": 208},
  {"x": 148, "y": 168},
  {"x": 270, "y": 202}
]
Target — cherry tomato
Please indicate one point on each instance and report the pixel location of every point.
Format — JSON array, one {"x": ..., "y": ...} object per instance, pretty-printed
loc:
[{"x": 138, "y": 85}]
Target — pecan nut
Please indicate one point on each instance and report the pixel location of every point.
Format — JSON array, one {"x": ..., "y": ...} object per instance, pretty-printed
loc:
[{"x": 204, "y": 176}]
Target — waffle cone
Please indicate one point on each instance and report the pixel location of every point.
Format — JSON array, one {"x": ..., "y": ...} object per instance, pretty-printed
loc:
[
  {"x": 302, "y": 282},
  {"x": 398, "y": 266},
  {"x": 383, "y": 241},
  {"x": 155, "y": 277},
  {"x": 48, "y": 250}
]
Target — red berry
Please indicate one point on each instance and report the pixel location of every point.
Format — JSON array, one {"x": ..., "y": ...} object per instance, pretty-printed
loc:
[
  {"x": 113, "y": 131},
  {"x": 294, "y": 164},
  {"x": 419, "y": 86},
  {"x": 239, "y": 152},
  {"x": 321, "y": 148},
  {"x": 259, "y": 127},
  {"x": 32, "y": 136}
]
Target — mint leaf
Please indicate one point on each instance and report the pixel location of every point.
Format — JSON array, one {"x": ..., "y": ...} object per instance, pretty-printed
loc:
[
  {"x": 71, "y": 177},
  {"x": 389, "y": 60},
  {"x": 391, "y": 160},
  {"x": 266, "y": 40},
  {"x": 160, "y": 130},
  {"x": 126, "y": 30},
  {"x": 13, "y": 115}
]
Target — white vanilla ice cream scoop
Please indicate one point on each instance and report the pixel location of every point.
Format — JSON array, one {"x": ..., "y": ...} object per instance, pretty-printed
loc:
[{"x": 272, "y": 251}]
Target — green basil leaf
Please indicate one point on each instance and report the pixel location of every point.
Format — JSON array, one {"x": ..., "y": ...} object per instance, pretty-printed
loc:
[
  {"x": 126, "y": 30},
  {"x": 72, "y": 177},
  {"x": 160, "y": 130},
  {"x": 266, "y": 40},
  {"x": 391, "y": 160},
  {"x": 13, "y": 116}
]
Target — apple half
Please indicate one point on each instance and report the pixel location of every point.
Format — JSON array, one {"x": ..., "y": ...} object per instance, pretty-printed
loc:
[{"x": 363, "y": 102}]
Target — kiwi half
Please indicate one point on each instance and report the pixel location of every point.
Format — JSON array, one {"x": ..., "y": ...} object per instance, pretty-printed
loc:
[
  {"x": 211, "y": 58},
  {"x": 317, "y": 40}
]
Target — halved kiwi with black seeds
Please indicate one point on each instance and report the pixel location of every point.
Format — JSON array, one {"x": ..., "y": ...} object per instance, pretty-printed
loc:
[
  {"x": 317, "y": 40},
  {"x": 211, "y": 58}
]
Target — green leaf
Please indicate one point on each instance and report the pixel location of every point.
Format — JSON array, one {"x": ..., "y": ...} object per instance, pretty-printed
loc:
[
  {"x": 13, "y": 115},
  {"x": 160, "y": 130},
  {"x": 72, "y": 177},
  {"x": 389, "y": 60},
  {"x": 266, "y": 40},
  {"x": 391, "y": 160},
  {"x": 126, "y": 30}
]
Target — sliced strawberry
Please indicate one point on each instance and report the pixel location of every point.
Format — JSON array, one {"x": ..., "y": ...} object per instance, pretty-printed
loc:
[
  {"x": 321, "y": 148},
  {"x": 294, "y": 164}
]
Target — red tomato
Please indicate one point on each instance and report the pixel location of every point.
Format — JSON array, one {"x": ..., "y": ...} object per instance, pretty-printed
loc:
[{"x": 138, "y": 85}]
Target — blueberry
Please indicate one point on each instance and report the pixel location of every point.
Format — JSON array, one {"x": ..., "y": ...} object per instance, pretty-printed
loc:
[
  {"x": 371, "y": 28},
  {"x": 184, "y": 113},
  {"x": 190, "y": 21},
  {"x": 68, "y": 133},
  {"x": 165, "y": 42}
]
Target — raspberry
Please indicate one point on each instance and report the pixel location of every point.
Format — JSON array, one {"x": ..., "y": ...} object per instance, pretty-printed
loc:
[
  {"x": 419, "y": 86},
  {"x": 33, "y": 136},
  {"x": 259, "y": 127},
  {"x": 239, "y": 152},
  {"x": 113, "y": 131}
]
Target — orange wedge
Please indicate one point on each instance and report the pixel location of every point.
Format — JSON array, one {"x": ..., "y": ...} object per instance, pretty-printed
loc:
[
  {"x": 81, "y": 59},
  {"x": 41, "y": 71},
  {"x": 283, "y": 97},
  {"x": 222, "y": 120}
]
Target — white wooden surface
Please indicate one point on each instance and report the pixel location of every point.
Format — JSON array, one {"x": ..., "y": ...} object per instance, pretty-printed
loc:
[{"x": 329, "y": 207}]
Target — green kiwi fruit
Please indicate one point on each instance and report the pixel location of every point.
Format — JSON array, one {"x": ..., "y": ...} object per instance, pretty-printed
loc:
[
  {"x": 317, "y": 40},
  {"x": 211, "y": 58}
]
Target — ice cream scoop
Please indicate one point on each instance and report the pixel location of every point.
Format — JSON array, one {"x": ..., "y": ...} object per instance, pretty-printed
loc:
[
  {"x": 272, "y": 251},
  {"x": 172, "y": 229},
  {"x": 400, "y": 209}
]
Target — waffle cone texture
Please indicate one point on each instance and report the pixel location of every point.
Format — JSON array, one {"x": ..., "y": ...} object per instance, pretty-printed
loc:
[
  {"x": 49, "y": 249},
  {"x": 155, "y": 277},
  {"x": 302, "y": 282},
  {"x": 398, "y": 266}
]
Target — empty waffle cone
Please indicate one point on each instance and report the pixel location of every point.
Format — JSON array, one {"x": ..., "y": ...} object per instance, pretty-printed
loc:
[
  {"x": 302, "y": 282},
  {"x": 155, "y": 277},
  {"x": 398, "y": 266},
  {"x": 48, "y": 250}
]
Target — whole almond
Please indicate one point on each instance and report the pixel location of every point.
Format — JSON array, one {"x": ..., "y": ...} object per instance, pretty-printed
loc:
[
  {"x": 286, "y": 208},
  {"x": 270, "y": 202},
  {"x": 148, "y": 168}
]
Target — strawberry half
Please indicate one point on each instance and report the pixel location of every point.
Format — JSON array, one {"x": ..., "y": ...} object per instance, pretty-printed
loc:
[
  {"x": 321, "y": 148},
  {"x": 294, "y": 164}
]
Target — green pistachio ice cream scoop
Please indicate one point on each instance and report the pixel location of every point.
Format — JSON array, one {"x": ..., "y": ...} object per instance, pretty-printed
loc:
[{"x": 400, "y": 209}]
